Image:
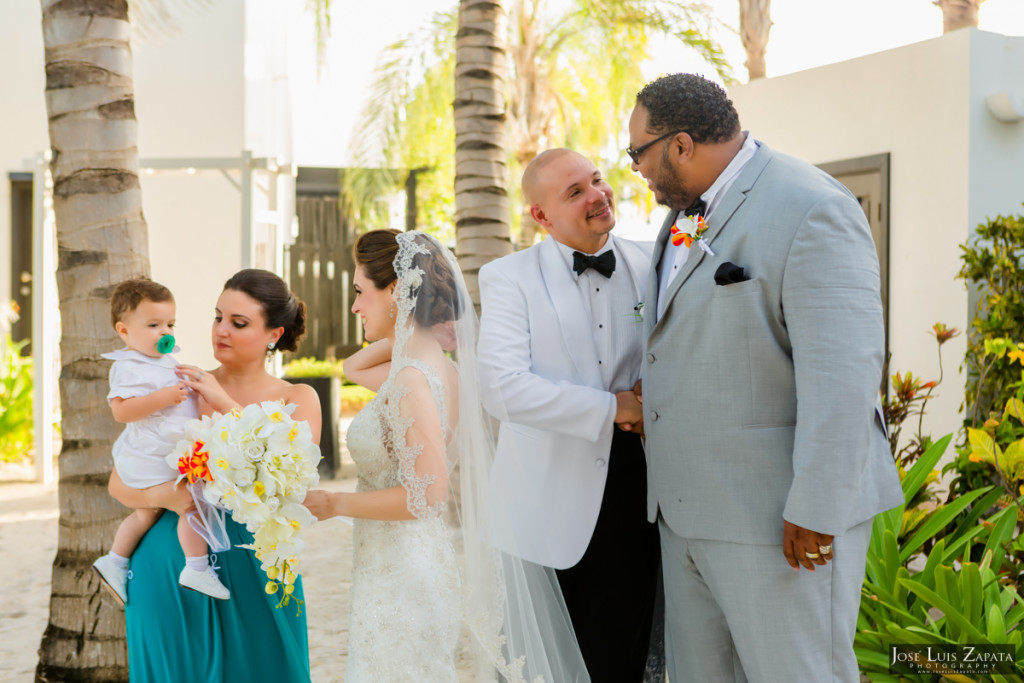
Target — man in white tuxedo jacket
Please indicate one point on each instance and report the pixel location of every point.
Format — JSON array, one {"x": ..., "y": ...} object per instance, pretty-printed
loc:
[
  {"x": 768, "y": 454},
  {"x": 560, "y": 350}
]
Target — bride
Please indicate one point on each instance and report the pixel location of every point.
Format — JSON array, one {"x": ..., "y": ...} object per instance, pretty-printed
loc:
[{"x": 427, "y": 585}]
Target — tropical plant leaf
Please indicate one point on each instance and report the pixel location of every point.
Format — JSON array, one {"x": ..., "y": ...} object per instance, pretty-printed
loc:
[
  {"x": 969, "y": 522},
  {"x": 995, "y": 626},
  {"x": 1012, "y": 461},
  {"x": 971, "y": 593},
  {"x": 1014, "y": 407},
  {"x": 983, "y": 447},
  {"x": 942, "y": 517},
  {"x": 951, "y": 613},
  {"x": 1005, "y": 524},
  {"x": 922, "y": 468}
]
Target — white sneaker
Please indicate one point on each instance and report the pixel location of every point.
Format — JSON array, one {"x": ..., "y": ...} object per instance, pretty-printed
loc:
[
  {"x": 113, "y": 578},
  {"x": 205, "y": 582}
]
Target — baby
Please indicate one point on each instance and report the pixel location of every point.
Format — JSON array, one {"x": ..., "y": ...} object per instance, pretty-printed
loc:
[{"x": 155, "y": 405}]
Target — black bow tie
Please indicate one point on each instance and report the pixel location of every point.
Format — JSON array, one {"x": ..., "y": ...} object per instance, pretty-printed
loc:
[
  {"x": 696, "y": 209},
  {"x": 604, "y": 264}
]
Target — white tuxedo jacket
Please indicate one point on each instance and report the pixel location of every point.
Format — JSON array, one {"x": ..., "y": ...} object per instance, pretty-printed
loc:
[{"x": 540, "y": 378}]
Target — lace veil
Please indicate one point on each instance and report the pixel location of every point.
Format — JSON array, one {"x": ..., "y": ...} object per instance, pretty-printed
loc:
[{"x": 515, "y": 620}]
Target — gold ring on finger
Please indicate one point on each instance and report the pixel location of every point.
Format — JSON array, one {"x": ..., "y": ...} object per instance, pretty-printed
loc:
[
  {"x": 825, "y": 549},
  {"x": 811, "y": 556}
]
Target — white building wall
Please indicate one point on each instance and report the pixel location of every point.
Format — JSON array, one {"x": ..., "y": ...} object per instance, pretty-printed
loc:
[
  {"x": 211, "y": 89},
  {"x": 950, "y": 165},
  {"x": 190, "y": 103},
  {"x": 997, "y": 148},
  {"x": 269, "y": 128},
  {"x": 22, "y": 110},
  {"x": 209, "y": 85}
]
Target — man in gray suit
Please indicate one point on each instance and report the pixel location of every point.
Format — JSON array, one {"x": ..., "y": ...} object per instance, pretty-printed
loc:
[{"x": 763, "y": 358}]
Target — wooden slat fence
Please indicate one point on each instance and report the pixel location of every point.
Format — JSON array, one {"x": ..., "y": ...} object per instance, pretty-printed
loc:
[{"x": 320, "y": 269}]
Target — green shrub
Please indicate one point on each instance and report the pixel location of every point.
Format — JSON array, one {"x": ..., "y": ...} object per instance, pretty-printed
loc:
[
  {"x": 951, "y": 599},
  {"x": 992, "y": 263},
  {"x": 16, "y": 435},
  {"x": 313, "y": 367},
  {"x": 354, "y": 398},
  {"x": 907, "y": 399}
]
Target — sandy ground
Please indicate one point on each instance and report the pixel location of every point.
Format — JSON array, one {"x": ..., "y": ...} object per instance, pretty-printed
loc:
[{"x": 28, "y": 543}]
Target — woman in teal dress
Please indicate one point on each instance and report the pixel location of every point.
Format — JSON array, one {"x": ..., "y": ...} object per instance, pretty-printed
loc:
[{"x": 175, "y": 634}]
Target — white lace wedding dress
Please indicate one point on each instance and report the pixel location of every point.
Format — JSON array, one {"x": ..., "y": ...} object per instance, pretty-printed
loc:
[
  {"x": 405, "y": 599},
  {"x": 426, "y": 588}
]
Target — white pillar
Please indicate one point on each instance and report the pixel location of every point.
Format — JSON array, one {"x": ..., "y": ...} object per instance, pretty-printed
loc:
[
  {"x": 246, "y": 188},
  {"x": 45, "y": 329}
]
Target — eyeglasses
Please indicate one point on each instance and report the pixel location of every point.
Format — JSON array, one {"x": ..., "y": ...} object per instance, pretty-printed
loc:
[{"x": 634, "y": 154}]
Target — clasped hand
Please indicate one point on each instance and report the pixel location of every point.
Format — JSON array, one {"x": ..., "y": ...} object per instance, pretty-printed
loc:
[
  {"x": 629, "y": 410},
  {"x": 801, "y": 547}
]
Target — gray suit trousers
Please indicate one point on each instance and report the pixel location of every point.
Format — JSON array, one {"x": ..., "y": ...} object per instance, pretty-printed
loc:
[{"x": 739, "y": 612}]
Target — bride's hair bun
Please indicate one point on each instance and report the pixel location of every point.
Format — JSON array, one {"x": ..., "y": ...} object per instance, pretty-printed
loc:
[
  {"x": 280, "y": 307},
  {"x": 437, "y": 298}
]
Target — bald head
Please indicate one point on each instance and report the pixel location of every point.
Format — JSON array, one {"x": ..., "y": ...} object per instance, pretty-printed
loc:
[
  {"x": 569, "y": 199},
  {"x": 532, "y": 183}
]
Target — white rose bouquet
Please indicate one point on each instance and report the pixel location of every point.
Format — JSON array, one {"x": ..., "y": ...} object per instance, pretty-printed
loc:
[{"x": 257, "y": 463}]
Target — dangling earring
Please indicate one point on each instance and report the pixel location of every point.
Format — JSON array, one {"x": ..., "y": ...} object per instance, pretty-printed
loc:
[
  {"x": 270, "y": 349},
  {"x": 391, "y": 313}
]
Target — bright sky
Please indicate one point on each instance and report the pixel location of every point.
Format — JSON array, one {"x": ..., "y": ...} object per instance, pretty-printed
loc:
[
  {"x": 810, "y": 33},
  {"x": 805, "y": 34}
]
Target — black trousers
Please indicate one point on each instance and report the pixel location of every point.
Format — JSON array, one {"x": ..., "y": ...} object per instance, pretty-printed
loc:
[{"x": 611, "y": 593}]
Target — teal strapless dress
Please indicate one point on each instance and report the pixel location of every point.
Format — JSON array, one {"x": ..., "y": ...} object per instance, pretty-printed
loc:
[{"x": 176, "y": 634}]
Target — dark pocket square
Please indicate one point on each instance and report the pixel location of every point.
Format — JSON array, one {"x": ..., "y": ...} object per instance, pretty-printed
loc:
[{"x": 729, "y": 273}]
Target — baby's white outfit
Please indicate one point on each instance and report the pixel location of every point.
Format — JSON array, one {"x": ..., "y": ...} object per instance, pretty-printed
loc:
[{"x": 140, "y": 451}]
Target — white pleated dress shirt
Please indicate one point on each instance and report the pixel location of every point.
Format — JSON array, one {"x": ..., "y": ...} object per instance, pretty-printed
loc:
[{"x": 614, "y": 324}]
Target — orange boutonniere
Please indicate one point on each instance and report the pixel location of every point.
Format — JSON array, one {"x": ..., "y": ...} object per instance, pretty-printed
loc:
[
  {"x": 193, "y": 465},
  {"x": 678, "y": 236}
]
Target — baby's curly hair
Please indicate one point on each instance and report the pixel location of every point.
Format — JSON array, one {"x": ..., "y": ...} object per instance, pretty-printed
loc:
[
  {"x": 690, "y": 103},
  {"x": 129, "y": 294}
]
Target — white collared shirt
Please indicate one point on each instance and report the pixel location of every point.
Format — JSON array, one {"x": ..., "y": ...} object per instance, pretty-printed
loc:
[
  {"x": 675, "y": 256},
  {"x": 616, "y": 329},
  {"x": 140, "y": 451}
]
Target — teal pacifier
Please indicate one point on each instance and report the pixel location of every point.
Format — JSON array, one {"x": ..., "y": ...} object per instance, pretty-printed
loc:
[{"x": 166, "y": 343}]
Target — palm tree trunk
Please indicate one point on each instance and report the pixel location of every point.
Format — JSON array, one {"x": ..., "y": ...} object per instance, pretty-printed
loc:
[
  {"x": 755, "y": 22},
  {"x": 101, "y": 239},
  {"x": 958, "y": 13},
  {"x": 482, "y": 225}
]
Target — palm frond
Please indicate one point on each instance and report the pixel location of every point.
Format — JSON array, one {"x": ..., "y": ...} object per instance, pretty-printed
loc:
[
  {"x": 157, "y": 18},
  {"x": 321, "y": 10},
  {"x": 405, "y": 89}
]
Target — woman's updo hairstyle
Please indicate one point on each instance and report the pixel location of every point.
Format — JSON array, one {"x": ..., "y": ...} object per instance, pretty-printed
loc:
[
  {"x": 437, "y": 299},
  {"x": 280, "y": 307},
  {"x": 375, "y": 251}
]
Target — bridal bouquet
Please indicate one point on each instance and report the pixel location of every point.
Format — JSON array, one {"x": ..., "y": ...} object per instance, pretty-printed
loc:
[{"x": 257, "y": 463}]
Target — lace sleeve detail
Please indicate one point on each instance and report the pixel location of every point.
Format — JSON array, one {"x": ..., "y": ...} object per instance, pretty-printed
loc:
[{"x": 415, "y": 433}]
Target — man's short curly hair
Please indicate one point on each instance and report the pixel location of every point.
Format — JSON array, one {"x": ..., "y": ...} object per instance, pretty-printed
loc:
[
  {"x": 129, "y": 294},
  {"x": 689, "y": 103}
]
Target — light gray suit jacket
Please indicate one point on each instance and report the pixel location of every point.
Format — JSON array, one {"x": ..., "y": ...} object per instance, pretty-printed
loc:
[{"x": 761, "y": 397}]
